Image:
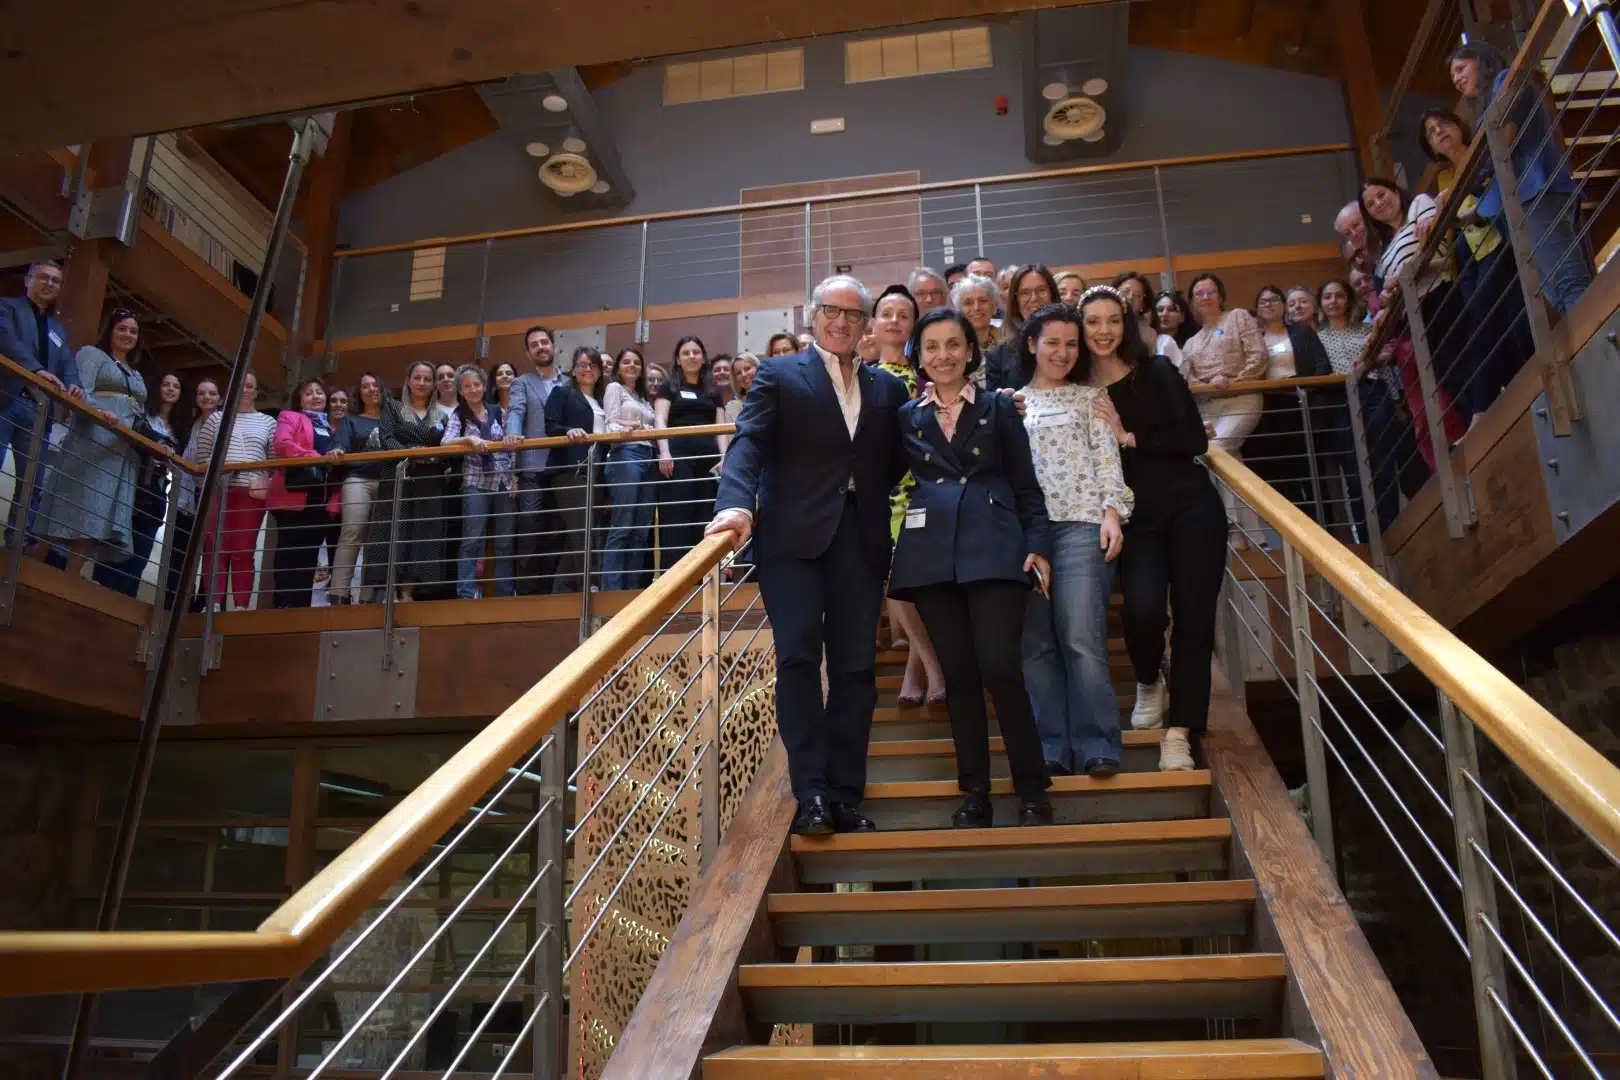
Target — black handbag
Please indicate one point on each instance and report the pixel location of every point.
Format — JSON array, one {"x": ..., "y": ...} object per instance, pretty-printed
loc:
[{"x": 306, "y": 478}]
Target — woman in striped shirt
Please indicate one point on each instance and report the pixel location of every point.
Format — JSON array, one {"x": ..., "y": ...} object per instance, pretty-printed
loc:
[{"x": 245, "y": 494}]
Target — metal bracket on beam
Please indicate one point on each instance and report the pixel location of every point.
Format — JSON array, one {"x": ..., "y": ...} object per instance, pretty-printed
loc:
[
  {"x": 104, "y": 213},
  {"x": 180, "y": 701},
  {"x": 351, "y": 685}
]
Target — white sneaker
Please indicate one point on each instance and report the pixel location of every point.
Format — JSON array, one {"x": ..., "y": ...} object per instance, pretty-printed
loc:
[
  {"x": 1148, "y": 712},
  {"x": 1175, "y": 751}
]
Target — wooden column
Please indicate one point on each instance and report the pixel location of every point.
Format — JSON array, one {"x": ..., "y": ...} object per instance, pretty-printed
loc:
[
  {"x": 1360, "y": 83},
  {"x": 84, "y": 285},
  {"x": 323, "y": 200}
]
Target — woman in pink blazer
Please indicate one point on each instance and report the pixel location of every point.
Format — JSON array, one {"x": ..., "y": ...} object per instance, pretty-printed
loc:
[{"x": 304, "y": 499}]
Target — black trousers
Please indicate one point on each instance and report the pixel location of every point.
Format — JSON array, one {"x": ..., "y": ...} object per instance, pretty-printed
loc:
[
  {"x": 977, "y": 629},
  {"x": 1276, "y": 450},
  {"x": 536, "y": 538},
  {"x": 829, "y": 603},
  {"x": 686, "y": 498},
  {"x": 298, "y": 549},
  {"x": 1174, "y": 561}
]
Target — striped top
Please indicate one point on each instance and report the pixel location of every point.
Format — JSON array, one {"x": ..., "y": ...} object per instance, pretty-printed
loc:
[
  {"x": 1405, "y": 246},
  {"x": 251, "y": 435}
]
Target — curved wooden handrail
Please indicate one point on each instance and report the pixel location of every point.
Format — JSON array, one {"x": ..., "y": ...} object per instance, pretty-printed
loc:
[
  {"x": 304, "y": 926},
  {"x": 84, "y": 408},
  {"x": 1574, "y": 774},
  {"x": 1255, "y": 386},
  {"x": 932, "y": 187}
]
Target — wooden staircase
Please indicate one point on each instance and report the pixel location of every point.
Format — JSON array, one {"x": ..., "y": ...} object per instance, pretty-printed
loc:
[{"x": 1134, "y": 939}]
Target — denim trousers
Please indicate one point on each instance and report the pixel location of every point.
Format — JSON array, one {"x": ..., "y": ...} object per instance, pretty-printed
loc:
[
  {"x": 1065, "y": 650},
  {"x": 1563, "y": 261},
  {"x": 630, "y": 485},
  {"x": 477, "y": 508}
]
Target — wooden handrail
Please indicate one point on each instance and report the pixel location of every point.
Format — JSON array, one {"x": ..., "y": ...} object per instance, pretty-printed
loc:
[
  {"x": 931, "y": 187},
  {"x": 86, "y": 409},
  {"x": 1255, "y": 386},
  {"x": 303, "y": 927},
  {"x": 1584, "y": 784},
  {"x": 550, "y": 442}
]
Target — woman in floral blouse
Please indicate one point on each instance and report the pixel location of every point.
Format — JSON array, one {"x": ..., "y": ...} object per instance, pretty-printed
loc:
[
  {"x": 484, "y": 476},
  {"x": 893, "y": 317},
  {"x": 1078, "y": 464}
]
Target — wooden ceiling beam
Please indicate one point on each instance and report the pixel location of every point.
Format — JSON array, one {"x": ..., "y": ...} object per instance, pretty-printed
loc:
[{"x": 246, "y": 58}]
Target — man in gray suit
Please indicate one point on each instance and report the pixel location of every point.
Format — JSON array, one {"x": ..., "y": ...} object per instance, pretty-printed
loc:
[
  {"x": 31, "y": 335},
  {"x": 526, "y": 419}
]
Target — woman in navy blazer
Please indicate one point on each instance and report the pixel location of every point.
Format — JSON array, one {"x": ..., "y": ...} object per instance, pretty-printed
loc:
[
  {"x": 575, "y": 409},
  {"x": 975, "y": 529}
]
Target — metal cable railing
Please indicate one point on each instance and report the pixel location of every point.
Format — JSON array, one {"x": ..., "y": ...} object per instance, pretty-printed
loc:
[{"x": 1389, "y": 706}]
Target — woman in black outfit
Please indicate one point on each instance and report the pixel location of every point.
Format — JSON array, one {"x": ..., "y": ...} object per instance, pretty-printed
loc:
[
  {"x": 1030, "y": 289},
  {"x": 975, "y": 528},
  {"x": 418, "y": 419},
  {"x": 1175, "y": 544},
  {"x": 574, "y": 409},
  {"x": 686, "y": 498}
]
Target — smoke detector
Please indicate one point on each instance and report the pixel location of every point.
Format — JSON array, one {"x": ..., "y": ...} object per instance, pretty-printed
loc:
[
  {"x": 568, "y": 174},
  {"x": 1075, "y": 118}
]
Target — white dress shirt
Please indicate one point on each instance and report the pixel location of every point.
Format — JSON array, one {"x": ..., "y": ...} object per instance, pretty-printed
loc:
[{"x": 849, "y": 394}]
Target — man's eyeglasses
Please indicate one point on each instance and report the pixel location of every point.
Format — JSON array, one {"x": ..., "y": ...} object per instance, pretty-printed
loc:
[{"x": 832, "y": 313}]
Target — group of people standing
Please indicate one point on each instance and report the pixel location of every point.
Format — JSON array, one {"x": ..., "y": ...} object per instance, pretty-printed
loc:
[{"x": 999, "y": 517}]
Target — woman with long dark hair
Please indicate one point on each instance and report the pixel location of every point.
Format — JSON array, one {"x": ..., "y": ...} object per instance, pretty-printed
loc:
[
  {"x": 1174, "y": 557},
  {"x": 167, "y": 422},
  {"x": 575, "y": 410},
  {"x": 1138, "y": 294},
  {"x": 686, "y": 502},
  {"x": 629, "y": 472},
  {"x": 975, "y": 530},
  {"x": 1172, "y": 323},
  {"x": 89, "y": 500},
  {"x": 1077, "y": 461},
  {"x": 357, "y": 433},
  {"x": 204, "y": 402},
  {"x": 418, "y": 420}
]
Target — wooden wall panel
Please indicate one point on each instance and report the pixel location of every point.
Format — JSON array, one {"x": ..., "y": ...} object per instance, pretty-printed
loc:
[
  {"x": 262, "y": 678},
  {"x": 1452, "y": 578},
  {"x": 65, "y": 656},
  {"x": 480, "y": 670}
]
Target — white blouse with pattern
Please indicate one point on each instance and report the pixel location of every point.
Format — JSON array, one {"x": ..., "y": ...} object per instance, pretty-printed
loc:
[{"x": 1076, "y": 457}]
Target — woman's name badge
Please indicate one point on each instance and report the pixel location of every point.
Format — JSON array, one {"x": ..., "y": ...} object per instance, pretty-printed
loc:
[
  {"x": 689, "y": 395},
  {"x": 1280, "y": 348},
  {"x": 916, "y": 519},
  {"x": 1055, "y": 419}
]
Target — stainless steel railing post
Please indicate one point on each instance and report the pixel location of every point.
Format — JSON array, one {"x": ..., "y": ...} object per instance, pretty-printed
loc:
[
  {"x": 588, "y": 550},
  {"x": 1310, "y": 453},
  {"x": 1310, "y": 705},
  {"x": 551, "y": 916},
  {"x": 1496, "y": 1047},
  {"x": 709, "y": 656},
  {"x": 393, "y": 566}
]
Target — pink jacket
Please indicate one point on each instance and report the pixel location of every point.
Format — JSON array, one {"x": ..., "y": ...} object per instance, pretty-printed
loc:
[{"x": 295, "y": 437}]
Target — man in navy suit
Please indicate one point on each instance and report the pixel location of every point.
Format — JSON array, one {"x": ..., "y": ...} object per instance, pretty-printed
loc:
[
  {"x": 31, "y": 335},
  {"x": 808, "y": 474}
]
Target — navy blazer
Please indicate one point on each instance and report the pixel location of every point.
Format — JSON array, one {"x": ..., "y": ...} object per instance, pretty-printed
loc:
[
  {"x": 792, "y": 459},
  {"x": 19, "y": 341},
  {"x": 567, "y": 409},
  {"x": 977, "y": 511}
]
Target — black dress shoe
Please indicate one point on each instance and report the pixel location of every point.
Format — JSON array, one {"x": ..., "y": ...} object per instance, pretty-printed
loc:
[
  {"x": 815, "y": 817},
  {"x": 1101, "y": 768},
  {"x": 849, "y": 819},
  {"x": 1034, "y": 812},
  {"x": 1054, "y": 768},
  {"x": 974, "y": 813}
]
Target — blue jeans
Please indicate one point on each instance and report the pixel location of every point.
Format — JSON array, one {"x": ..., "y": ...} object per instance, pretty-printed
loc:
[
  {"x": 16, "y": 429},
  {"x": 630, "y": 486},
  {"x": 1066, "y": 652},
  {"x": 477, "y": 507},
  {"x": 1563, "y": 263}
]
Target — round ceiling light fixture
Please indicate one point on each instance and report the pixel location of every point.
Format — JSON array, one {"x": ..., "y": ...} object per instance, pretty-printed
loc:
[
  {"x": 554, "y": 103},
  {"x": 537, "y": 149},
  {"x": 1094, "y": 87},
  {"x": 574, "y": 145},
  {"x": 1074, "y": 118},
  {"x": 1055, "y": 91},
  {"x": 568, "y": 174}
]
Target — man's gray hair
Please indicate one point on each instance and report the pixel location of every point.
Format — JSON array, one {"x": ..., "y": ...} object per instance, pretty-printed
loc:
[
  {"x": 923, "y": 272},
  {"x": 842, "y": 281},
  {"x": 974, "y": 283},
  {"x": 1352, "y": 207}
]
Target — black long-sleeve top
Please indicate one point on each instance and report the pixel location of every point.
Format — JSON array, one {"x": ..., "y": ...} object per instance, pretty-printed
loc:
[{"x": 1155, "y": 405}]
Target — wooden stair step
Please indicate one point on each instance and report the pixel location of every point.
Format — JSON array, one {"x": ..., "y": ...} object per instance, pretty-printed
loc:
[
  {"x": 922, "y": 804},
  {"x": 1214, "y": 1059},
  {"x": 1132, "y": 847},
  {"x": 1237, "y": 985},
  {"x": 1174, "y": 909},
  {"x": 889, "y": 721},
  {"x": 1119, "y": 668},
  {"x": 935, "y": 758}
]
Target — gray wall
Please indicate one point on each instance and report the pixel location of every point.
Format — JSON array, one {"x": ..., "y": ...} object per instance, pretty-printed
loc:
[{"x": 943, "y": 126}]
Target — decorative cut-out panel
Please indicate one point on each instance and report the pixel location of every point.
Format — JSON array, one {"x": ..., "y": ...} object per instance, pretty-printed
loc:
[{"x": 647, "y": 828}]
